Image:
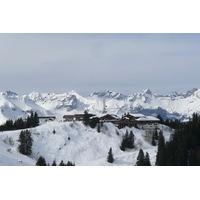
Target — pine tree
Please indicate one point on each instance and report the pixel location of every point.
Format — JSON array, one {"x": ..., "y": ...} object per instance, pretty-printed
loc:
[
  {"x": 70, "y": 164},
  {"x": 61, "y": 163},
  {"x": 160, "y": 157},
  {"x": 54, "y": 163},
  {"x": 19, "y": 124},
  {"x": 28, "y": 122},
  {"x": 140, "y": 158},
  {"x": 128, "y": 141},
  {"x": 35, "y": 120},
  {"x": 9, "y": 125},
  {"x": 86, "y": 118},
  {"x": 110, "y": 158},
  {"x": 41, "y": 161},
  {"x": 124, "y": 143},
  {"x": 122, "y": 146},
  {"x": 147, "y": 160},
  {"x": 26, "y": 141},
  {"x": 143, "y": 160},
  {"x": 131, "y": 140}
]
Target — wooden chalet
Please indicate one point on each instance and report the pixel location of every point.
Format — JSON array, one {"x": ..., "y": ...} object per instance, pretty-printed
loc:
[
  {"x": 148, "y": 122},
  {"x": 68, "y": 118},
  {"x": 105, "y": 118},
  {"x": 138, "y": 121},
  {"x": 75, "y": 117},
  {"x": 46, "y": 118},
  {"x": 131, "y": 120}
]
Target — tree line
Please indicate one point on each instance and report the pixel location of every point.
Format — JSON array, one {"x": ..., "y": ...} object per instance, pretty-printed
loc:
[
  {"x": 31, "y": 121},
  {"x": 42, "y": 162},
  {"x": 172, "y": 123},
  {"x": 183, "y": 148}
]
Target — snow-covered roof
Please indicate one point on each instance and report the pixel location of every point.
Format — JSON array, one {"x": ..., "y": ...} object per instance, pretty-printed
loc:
[
  {"x": 103, "y": 115},
  {"x": 148, "y": 118},
  {"x": 138, "y": 115},
  {"x": 98, "y": 116}
]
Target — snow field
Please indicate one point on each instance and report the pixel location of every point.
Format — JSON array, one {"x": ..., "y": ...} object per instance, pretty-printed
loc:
[{"x": 77, "y": 143}]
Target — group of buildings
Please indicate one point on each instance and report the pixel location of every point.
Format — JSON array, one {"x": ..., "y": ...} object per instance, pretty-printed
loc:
[{"x": 131, "y": 120}]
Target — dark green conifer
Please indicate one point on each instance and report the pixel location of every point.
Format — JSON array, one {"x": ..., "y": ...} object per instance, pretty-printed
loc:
[
  {"x": 86, "y": 118},
  {"x": 110, "y": 158},
  {"x": 26, "y": 141},
  {"x": 9, "y": 125},
  {"x": 131, "y": 140},
  {"x": 160, "y": 158},
  {"x": 61, "y": 163},
  {"x": 54, "y": 163},
  {"x": 19, "y": 124},
  {"x": 147, "y": 160},
  {"x": 143, "y": 160},
  {"x": 140, "y": 158},
  {"x": 70, "y": 164},
  {"x": 41, "y": 161},
  {"x": 35, "y": 119}
]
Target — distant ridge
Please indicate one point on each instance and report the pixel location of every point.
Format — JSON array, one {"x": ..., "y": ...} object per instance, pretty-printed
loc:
[{"x": 174, "y": 105}]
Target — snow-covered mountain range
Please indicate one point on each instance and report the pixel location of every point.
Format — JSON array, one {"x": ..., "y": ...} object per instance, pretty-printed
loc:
[{"x": 173, "y": 105}]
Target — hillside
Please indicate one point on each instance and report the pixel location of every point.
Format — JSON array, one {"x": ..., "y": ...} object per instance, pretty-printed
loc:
[
  {"x": 76, "y": 143},
  {"x": 173, "y": 106}
]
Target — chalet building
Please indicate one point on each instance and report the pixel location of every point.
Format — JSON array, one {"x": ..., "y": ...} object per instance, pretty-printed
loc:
[
  {"x": 139, "y": 121},
  {"x": 69, "y": 118},
  {"x": 46, "y": 119},
  {"x": 148, "y": 122},
  {"x": 75, "y": 117},
  {"x": 106, "y": 118},
  {"x": 131, "y": 120}
]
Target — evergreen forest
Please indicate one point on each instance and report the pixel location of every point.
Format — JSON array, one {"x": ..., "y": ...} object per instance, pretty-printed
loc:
[
  {"x": 183, "y": 148},
  {"x": 31, "y": 121}
]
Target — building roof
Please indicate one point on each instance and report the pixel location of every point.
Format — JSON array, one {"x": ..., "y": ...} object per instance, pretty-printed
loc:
[
  {"x": 47, "y": 117},
  {"x": 104, "y": 115},
  {"x": 148, "y": 118},
  {"x": 138, "y": 115}
]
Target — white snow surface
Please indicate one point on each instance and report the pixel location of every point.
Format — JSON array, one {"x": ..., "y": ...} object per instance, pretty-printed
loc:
[
  {"x": 77, "y": 143},
  {"x": 148, "y": 118}
]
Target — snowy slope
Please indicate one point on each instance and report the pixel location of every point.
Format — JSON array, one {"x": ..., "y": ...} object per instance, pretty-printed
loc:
[
  {"x": 76, "y": 143},
  {"x": 174, "y": 105},
  {"x": 13, "y": 106}
]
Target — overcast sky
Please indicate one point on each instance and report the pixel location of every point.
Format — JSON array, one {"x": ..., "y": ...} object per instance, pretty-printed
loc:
[{"x": 85, "y": 63}]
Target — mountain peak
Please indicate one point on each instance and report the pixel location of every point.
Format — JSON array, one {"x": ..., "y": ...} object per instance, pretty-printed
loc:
[
  {"x": 72, "y": 92},
  {"x": 108, "y": 94},
  {"x": 9, "y": 93},
  {"x": 147, "y": 91},
  {"x": 190, "y": 92}
]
